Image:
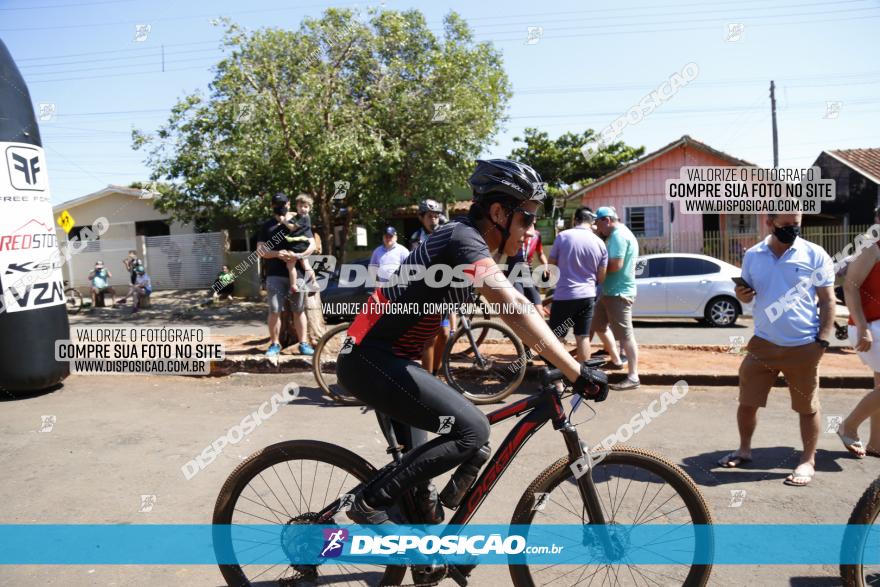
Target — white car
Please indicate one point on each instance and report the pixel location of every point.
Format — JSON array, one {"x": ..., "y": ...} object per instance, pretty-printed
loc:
[{"x": 682, "y": 285}]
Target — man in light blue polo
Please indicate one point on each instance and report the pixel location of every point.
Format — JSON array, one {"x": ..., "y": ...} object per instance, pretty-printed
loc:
[
  {"x": 388, "y": 256},
  {"x": 786, "y": 275},
  {"x": 619, "y": 292}
]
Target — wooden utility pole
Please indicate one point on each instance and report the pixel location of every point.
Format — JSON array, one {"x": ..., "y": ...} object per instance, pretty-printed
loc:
[{"x": 773, "y": 113}]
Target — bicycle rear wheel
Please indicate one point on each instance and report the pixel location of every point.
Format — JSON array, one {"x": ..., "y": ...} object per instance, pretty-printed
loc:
[
  {"x": 634, "y": 487},
  {"x": 286, "y": 484},
  {"x": 865, "y": 513},
  {"x": 324, "y": 365},
  {"x": 495, "y": 373}
]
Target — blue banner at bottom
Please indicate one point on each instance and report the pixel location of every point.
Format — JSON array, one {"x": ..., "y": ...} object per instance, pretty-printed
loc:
[{"x": 648, "y": 544}]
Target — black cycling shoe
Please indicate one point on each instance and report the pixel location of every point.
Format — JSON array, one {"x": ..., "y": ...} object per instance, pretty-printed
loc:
[{"x": 365, "y": 515}]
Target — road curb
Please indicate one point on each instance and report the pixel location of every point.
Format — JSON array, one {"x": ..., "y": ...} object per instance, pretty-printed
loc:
[{"x": 725, "y": 380}]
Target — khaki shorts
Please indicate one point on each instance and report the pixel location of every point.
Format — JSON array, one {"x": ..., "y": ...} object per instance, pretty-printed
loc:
[
  {"x": 799, "y": 365},
  {"x": 614, "y": 311}
]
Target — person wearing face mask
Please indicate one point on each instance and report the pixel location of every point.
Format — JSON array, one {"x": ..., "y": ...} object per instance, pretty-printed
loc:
[{"x": 792, "y": 284}]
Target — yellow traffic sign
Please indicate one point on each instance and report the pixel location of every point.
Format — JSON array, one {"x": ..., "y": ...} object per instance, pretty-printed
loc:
[{"x": 65, "y": 221}]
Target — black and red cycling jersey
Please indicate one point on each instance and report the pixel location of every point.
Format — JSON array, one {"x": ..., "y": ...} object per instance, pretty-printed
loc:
[{"x": 456, "y": 243}]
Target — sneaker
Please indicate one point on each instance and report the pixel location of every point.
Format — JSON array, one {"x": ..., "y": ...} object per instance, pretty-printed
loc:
[
  {"x": 365, "y": 515},
  {"x": 274, "y": 350},
  {"x": 428, "y": 504},
  {"x": 306, "y": 349},
  {"x": 625, "y": 385},
  {"x": 615, "y": 366}
]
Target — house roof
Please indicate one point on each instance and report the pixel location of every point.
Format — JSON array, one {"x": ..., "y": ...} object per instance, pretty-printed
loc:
[
  {"x": 685, "y": 140},
  {"x": 865, "y": 161},
  {"x": 109, "y": 190}
]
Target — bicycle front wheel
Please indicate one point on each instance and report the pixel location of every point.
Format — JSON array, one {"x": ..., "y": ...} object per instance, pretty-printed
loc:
[
  {"x": 485, "y": 363},
  {"x": 288, "y": 484},
  {"x": 324, "y": 365},
  {"x": 634, "y": 487},
  {"x": 74, "y": 300},
  {"x": 865, "y": 513}
]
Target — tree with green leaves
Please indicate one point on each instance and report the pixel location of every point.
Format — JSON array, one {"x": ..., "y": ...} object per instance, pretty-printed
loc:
[
  {"x": 364, "y": 115},
  {"x": 561, "y": 162}
]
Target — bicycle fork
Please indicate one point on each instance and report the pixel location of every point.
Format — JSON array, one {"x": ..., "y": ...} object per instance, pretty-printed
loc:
[
  {"x": 466, "y": 325},
  {"x": 582, "y": 467}
]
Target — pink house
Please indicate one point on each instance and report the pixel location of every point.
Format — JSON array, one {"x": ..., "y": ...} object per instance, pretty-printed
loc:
[{"x": 637, "y": 192}]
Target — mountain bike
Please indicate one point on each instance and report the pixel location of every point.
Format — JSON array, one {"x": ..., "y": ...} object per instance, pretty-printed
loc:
[
  {"x": 858, "y": 538},
  {"x": 303, "y": 481},
  {"x": 482, "y": 359}
]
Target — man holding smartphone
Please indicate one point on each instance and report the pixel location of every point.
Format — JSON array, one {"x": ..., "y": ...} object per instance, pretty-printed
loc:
[{"x": 785, "y": 271}]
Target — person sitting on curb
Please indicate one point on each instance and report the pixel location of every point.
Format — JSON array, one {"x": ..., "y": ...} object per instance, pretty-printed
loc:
[
  {"x": 789, "y": 339},
  {"x": 225, "y": 279},
  {"x": 143, "y": 287},
  {"x": 99, "y": 278}
]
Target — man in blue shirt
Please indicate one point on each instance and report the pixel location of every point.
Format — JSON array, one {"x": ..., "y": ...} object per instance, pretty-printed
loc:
[
  {"x": 786, "y": 275},
  {"x": 619, "y": 292}
]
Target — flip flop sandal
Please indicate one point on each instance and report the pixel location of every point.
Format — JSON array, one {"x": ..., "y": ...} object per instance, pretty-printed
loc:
[
  {"x": 790, "y": 480},
  {"x": 852, "y": 444},
  {"x": 733, "y": 461}
]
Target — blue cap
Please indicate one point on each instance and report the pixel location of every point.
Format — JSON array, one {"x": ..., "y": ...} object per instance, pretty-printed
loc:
[
  {"x": 605, "y": 212},
  {"x": 391, "y": 231}
]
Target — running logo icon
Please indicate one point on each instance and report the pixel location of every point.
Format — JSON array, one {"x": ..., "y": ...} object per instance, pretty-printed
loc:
[
  {"x": 446, "y": 424},
  {"x": 541, "y": 500},
  {"x": 737, "y": 497},
  {"x": 347, "y": 346},
  {"x": 832, "y": 424},
  {"x": 334, "y": 541},
  {"x": 346, "y": 500}
]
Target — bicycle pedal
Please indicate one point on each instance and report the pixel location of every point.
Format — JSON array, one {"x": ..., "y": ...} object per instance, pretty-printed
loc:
[
  {"x": 425, "y": 575},
  {"x": 454, "y": 573}
]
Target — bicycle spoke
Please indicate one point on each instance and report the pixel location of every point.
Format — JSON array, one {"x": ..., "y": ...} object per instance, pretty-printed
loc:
[{"x": 672, "y": 513}]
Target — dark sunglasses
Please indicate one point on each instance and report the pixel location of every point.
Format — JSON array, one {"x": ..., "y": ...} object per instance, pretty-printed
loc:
[{"x": 530, "y": 217}]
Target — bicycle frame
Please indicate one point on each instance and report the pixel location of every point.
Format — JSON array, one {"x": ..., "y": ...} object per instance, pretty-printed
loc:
[{"x": 539, "y": 409}]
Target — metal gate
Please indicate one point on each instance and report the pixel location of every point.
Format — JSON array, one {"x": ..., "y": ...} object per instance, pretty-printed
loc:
[{"x": 184, "y": 261}]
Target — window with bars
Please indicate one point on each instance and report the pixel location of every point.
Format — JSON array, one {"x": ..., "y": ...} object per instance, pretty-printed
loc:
[
  {"x": 646, "y": 221},
  {"x": 742, "y": 223}
]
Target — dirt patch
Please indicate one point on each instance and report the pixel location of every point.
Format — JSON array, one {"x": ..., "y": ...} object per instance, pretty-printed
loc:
[{"x": 658, "y": 364}]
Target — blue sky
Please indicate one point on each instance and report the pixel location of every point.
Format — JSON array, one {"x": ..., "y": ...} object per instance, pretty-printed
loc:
[{"x": 591, "y": 64}]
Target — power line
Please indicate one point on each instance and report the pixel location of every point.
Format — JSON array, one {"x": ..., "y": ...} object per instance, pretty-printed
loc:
[
  {"x": 113, "y": 51},
  {"x": 156, "y": 55},
  {"x": 77, "y": 5}
]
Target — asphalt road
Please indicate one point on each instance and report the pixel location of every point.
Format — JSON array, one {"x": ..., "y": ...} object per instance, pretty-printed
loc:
[{"x": 116, "y": 438}]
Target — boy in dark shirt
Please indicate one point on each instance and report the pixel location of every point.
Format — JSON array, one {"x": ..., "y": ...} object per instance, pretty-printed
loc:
[{"x": 299, "y": 236}]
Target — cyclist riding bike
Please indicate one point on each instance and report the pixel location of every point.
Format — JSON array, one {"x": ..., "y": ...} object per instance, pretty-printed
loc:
[{"x": 378, "y": 363}]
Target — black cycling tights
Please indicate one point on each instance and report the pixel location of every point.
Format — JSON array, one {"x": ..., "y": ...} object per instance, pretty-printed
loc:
[{"x": 407, "y": 393}]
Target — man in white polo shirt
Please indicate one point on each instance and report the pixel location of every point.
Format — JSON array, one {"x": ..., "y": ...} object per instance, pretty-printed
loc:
[
  {"x": 786, "y": 275},
  {"x": 388, "y": 256}
]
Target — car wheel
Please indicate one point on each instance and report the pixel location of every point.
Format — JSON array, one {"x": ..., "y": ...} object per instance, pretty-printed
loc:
[{"x": 722, "y": 311}]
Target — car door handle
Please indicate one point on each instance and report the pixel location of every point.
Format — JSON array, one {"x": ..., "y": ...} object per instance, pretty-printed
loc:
[
  {"x": 655, "y": 283},
  {"x": 703, "y": 281}
]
